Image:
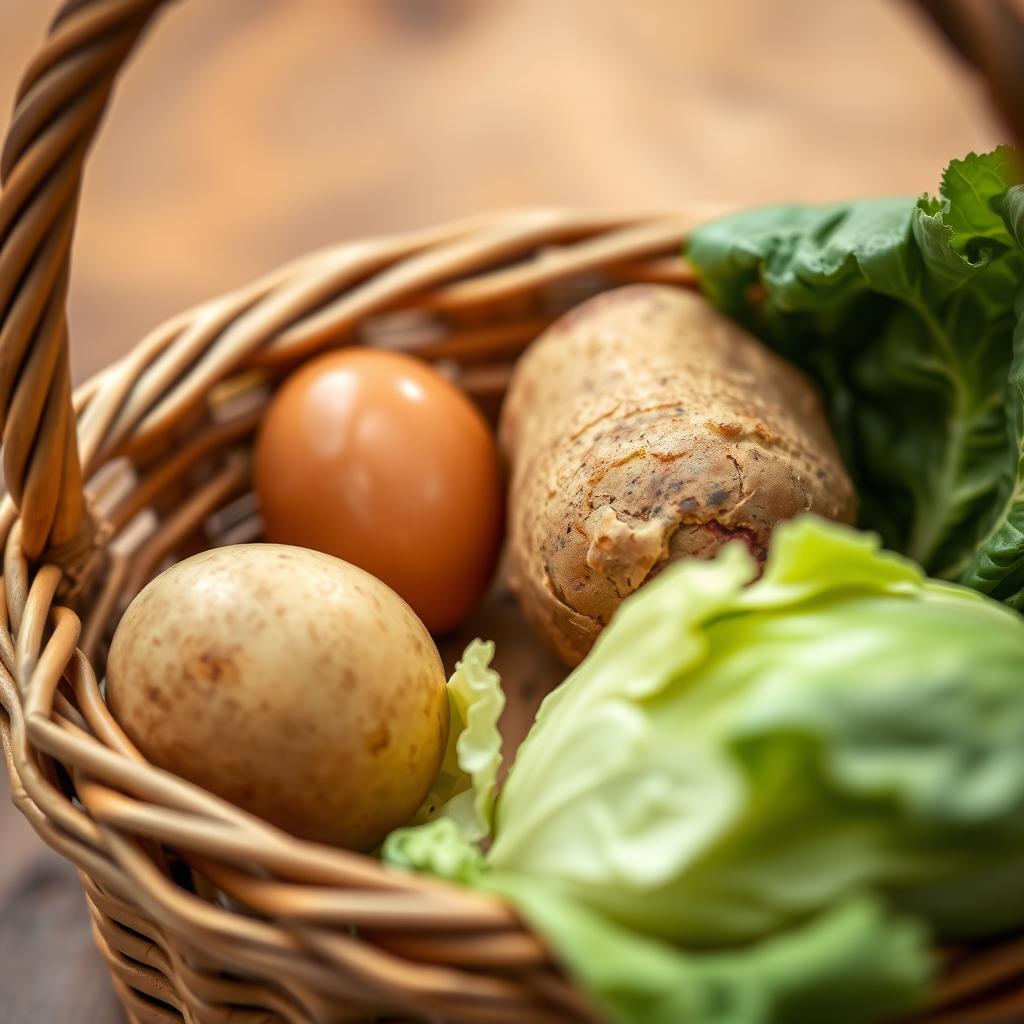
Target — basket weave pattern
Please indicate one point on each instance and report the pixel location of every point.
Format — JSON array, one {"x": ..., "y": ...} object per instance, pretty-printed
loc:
[{"x": 203, "y": 912}]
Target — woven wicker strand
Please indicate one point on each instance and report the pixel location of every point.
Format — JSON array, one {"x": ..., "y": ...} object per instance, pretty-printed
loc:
[{"x": 204, "y": 913}]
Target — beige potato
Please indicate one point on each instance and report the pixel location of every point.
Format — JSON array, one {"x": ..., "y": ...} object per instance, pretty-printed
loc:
[
  {"x": 288, "y": 682},
  {"x": 644, "y": 427}
]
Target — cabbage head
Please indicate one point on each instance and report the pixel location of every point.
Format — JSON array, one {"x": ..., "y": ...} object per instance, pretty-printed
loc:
[{"x": 760, "y": 800}]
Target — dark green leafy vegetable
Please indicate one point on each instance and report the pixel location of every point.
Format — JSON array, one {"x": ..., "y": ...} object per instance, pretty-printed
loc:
[{"x": 911, "y": 316}]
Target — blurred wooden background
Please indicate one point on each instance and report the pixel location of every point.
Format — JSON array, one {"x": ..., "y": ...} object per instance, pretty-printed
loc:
[{"x": 249, "y": 131}]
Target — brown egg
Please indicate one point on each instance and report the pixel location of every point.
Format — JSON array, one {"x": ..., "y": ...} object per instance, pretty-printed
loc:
[{"x": 375, "y": 458}]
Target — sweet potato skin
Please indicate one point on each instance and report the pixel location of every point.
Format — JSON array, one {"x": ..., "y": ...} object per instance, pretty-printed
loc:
[{"x": 644, "y": 427}]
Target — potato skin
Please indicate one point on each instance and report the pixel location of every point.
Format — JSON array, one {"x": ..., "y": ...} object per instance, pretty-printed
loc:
[
  {"x": 288, "y": 682},
  {"x": 643, "y": 427}
]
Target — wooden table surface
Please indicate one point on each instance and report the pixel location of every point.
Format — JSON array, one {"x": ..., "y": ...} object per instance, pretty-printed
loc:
[{"x": 249, "y": 131}]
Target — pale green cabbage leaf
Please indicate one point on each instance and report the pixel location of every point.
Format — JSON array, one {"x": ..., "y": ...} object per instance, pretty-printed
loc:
[
  {"x": 464, "y": 790},
  {"x": 741, "y": 768}
]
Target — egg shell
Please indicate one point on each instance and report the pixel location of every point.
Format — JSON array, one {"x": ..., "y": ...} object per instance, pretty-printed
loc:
[
  {"x": 288, "y": 682},
  {"x": 374, "y": 457}
]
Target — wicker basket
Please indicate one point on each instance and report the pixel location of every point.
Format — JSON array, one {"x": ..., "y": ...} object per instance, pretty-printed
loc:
[{"x": 203, "y": 912}]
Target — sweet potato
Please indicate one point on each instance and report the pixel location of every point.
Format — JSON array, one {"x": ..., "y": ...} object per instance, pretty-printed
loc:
[{"x": 641, "y": 428}]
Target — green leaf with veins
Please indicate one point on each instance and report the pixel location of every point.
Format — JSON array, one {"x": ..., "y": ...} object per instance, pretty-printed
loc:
[
  {"x": 998, "y": 564},
  {"x": 906, "y": 313}
]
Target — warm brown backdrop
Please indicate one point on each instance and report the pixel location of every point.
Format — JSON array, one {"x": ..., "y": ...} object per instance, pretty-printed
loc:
[{"x": 249, "y": 131}]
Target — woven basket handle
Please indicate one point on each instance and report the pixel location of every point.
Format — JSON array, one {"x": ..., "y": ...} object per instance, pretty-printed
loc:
[
  {"x": 61, "y": 101},
  {"x": 989, "y": 34},
  {"x": 63, "y": 95}
]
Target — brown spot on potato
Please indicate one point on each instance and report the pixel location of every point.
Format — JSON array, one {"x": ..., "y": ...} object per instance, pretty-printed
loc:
[
  {"x": 729, "y": 429},
  {"x": 157, "y": 696},
  {"x": 756, "y": 543},
  {"x": 214, "y": 666}
]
